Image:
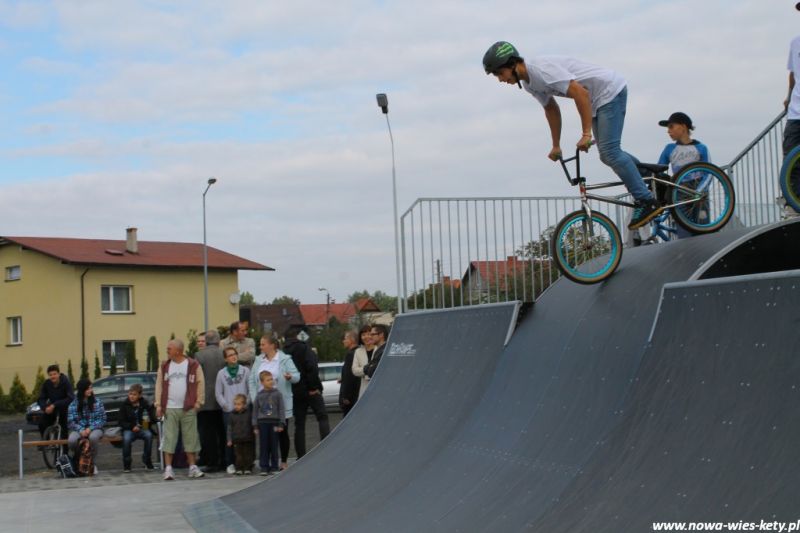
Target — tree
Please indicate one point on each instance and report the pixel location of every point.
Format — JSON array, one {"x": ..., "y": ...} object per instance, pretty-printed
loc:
[
  {"x": 191, "y": 347},
  {"x": 37, "y": 384},
  {"x": 84, "y": 367},
  {"x": 113, "y": 364},
  {"x": 70, "y": 374},
  {"x": 285, "y": 300},
  {"x": 328, "y": 341},
  {"x": 4, "y": 407},
  {"x": 131, "y": 364},
  {"x": 98, "y": 371},
  {"x": 152, "y": 354},
  {"x": 17, "y": 396},
  {"x": 246, "y": 299}
]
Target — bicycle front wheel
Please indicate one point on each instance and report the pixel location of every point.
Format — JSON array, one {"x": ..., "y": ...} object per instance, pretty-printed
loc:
[
  {"x": 50, "y": 452},
  {"x": 587, "y": 250},
  {"x": 705, "y": 198},
  {"x": 790, "y": 178}
]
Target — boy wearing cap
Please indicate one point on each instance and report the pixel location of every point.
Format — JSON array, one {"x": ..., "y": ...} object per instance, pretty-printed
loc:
[{"x": 683, "y": 151}]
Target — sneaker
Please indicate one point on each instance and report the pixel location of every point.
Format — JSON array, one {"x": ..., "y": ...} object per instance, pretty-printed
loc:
[
  {"x": 148, "y": 465},
  {"x": 263, "y": 473},
  {"x": 126, "y": 470},
  {"x": 195, "y": 472},
  {"x": 284, "y": 466},
  {"x": 231, "y": 469},
  {"x": 168, "y": 475},
  {"x": 643, "y": 213},
  {"x": 96, "y": 471},
  {"x": 239, "y": 472},
  {"x": 248, "y": 472}
]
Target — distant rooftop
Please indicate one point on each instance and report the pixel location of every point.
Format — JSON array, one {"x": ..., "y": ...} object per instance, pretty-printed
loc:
[{"x": 148, "y": 253}]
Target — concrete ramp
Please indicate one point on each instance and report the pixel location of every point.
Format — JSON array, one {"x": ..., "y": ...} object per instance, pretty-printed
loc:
[
  {"x": 711, "y": 429},
  {"x": 457, "y": 433},
  {"x": 431, "y": 379}
]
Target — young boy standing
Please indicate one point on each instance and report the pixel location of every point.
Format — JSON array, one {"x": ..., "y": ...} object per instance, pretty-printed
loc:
[
  {"x": 135, "y": 417},
  {"x": 240, "y": 433},
  {"x": 683, "y": 151},
  {"x": 268, "y": 413}
]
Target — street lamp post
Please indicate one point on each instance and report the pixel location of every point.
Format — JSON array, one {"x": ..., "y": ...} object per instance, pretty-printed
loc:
[
  {"x": 383, "y": 103},
  {"x": 211, "y": 181},
  {"x": 327, "y": 305}
]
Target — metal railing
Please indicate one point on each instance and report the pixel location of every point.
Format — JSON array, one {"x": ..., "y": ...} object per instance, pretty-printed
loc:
[
  {"x": 467, "y": 251},
  {"x": 754, "y": 172}
]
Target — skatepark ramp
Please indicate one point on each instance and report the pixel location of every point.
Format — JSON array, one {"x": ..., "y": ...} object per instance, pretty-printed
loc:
[{"x": 646, "y": 398}]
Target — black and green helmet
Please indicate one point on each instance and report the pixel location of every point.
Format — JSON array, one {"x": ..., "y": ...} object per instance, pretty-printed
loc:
[{"x": 499, "y": 55}]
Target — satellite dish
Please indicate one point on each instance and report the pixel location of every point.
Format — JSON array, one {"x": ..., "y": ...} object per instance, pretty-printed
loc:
[{"x": 234, "y": 298}]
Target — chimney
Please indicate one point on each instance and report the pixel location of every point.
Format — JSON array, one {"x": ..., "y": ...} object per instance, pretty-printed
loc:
[{"x": 131, "y": 243}]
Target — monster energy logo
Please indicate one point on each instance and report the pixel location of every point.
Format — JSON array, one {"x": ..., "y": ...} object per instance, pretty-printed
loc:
[{"x": 504, "y": 50}]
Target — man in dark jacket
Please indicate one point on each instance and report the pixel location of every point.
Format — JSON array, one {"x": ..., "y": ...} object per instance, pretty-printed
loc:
[
  {"x": 349, "y": 383},
  {"x": 135, "y": 418},
  {"x": 306, "y": 393},
  {"x": 54, "y": 399},
  {"x": 379, "y": 334},
  {"x": 209, "y": 419}
]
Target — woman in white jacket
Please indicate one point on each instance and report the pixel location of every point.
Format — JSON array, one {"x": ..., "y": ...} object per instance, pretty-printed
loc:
[
  {"x": 284, "y": 372},
  {"x": 363, "y": 356}
]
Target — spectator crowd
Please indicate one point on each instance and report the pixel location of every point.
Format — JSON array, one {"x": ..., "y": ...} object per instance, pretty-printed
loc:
[{"x": 218, "y": 407}]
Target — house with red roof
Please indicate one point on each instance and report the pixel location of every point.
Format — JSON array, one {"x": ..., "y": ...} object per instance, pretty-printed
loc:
[{"x": 63, "y": 298}]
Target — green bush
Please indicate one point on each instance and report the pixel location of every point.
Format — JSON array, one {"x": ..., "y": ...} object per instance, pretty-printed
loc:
[
  {"x": 131, "y": 364},
  {"x": 152, "y": 354},
  {"x": 70, "y": 374},
  {"x": 4, "y": 408},
  {"x": 17, "y": 396},
  {"x": 37, "y": 385},
  {"x": 113, "y": 370},
  {"x": 84, "y": 367},
  {"x": 98, "y": 370}
]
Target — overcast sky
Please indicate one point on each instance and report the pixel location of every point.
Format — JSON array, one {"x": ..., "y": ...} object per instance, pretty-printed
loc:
[{"x": 115, "y": 114}]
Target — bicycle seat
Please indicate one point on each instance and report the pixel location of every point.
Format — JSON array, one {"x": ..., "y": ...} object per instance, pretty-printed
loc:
[{"x": 652, "y": 167}]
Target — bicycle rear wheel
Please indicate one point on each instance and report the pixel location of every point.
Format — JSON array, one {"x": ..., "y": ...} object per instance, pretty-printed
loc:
[
  {"x": 790, "y": 178},
  {"x": 586, "y": 250},
  {"x": 708, "y": 195},
  {"x": 50, "y": 452}
]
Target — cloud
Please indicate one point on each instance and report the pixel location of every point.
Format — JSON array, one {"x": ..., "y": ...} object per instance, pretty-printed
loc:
[{"x": 277, "y": 101}]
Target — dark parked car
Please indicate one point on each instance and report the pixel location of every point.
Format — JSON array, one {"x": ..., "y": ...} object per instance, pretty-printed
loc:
[{"x": 112, "y": 391}]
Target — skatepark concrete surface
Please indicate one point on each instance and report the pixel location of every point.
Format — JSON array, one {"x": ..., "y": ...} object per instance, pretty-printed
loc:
[{"x": 144, "y": 503}]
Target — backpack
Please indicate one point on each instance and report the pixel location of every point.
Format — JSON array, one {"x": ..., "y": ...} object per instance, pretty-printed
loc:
[
  {"x": 64, "y": 466},
  {"x": 85, "y": 462}
]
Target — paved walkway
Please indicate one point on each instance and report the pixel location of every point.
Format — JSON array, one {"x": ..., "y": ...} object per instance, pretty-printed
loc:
[{"x": 110, "y": 502}]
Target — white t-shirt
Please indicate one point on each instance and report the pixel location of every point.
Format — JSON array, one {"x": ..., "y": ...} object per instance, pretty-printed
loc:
[
  {"x": 550, "y": 76},
  {"x": 794, "y": 66},
  {"x": 273, "y": 367},
  {"x": 176, "y": 375}
]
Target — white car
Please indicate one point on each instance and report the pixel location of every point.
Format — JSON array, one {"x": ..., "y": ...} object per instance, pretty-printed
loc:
[{"x": 330, "y": 375}]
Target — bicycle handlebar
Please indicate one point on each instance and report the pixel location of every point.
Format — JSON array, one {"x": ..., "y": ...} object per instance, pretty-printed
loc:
[{"x": 577, "y": 158}]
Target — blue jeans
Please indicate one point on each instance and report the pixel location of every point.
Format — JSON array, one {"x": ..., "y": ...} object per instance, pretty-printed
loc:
[
  {"x": 607, "y": 126},
  {"x": 268, "y": 450},
  {"x": 128, "y": 437}
]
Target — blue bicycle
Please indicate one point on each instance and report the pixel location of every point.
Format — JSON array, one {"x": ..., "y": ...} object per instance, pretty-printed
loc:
[{"x": 586, "y": 244}]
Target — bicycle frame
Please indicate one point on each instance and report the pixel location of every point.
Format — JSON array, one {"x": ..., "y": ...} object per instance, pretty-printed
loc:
[{"x": 580, "y": 181}]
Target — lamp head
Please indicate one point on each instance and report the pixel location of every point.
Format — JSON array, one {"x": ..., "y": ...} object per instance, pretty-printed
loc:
[
  {"x": 212, "y": 181},
  {"x": 383, "y": 102}
]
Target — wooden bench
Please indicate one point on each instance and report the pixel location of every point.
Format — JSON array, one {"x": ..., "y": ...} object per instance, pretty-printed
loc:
[{"x": 62, "y": 442}]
